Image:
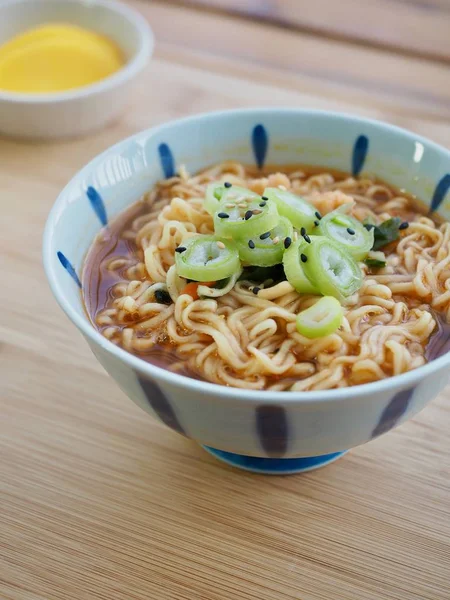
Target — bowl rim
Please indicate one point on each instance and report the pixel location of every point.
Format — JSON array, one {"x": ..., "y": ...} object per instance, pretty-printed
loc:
[
  {"x": 131, "y": 68},
  {"x": 83, "y": 323}
]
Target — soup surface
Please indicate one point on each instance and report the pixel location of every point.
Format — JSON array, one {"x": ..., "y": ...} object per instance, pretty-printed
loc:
[{"x": 241, "y": 330}]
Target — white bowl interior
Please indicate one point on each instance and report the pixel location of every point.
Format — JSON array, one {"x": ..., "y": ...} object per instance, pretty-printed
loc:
[{"x": 108, "y": 18}]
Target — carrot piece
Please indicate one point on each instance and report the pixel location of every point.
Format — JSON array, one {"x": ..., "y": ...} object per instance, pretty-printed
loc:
[{"x": 192, "y": 288}]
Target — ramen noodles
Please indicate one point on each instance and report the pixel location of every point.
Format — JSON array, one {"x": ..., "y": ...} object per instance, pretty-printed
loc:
[{"x": 293, "y": 278}]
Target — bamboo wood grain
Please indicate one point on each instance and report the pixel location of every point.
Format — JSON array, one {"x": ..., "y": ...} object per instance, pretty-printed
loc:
[
  {"x": 413, "y": 28},
  {"x": 341, "y": 67},
  {"x": 99, "y": 502}
]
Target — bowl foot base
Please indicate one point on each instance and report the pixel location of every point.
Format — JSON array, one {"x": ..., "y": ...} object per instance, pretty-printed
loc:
[{"x": 274, "y": 466}]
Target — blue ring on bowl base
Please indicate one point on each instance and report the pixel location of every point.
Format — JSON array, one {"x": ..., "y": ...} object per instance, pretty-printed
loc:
[{"x": 274, "y": 466}]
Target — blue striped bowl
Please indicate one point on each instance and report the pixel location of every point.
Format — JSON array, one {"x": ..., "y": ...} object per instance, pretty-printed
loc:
[{"x": 268, "y": 432}]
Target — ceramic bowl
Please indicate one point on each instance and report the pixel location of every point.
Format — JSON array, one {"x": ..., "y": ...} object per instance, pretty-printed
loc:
[
  {"x": 81, "y": 110},
  {"x": 271, "y": 432}
]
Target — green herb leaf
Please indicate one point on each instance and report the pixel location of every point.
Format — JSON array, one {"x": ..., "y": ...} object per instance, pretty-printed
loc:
[
  {"x": 374, "y": 263},
  {"x": 386, "y": 233},
  {"x": 260, "y": 274},
  {"x": 221, "y": 283}
]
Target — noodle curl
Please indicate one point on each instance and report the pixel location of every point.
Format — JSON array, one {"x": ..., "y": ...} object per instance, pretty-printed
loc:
[{"x": 240, "y": 339}]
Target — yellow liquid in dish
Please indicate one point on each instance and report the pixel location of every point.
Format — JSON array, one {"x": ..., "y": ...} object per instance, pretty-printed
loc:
[{"x": 55, "y": 58}]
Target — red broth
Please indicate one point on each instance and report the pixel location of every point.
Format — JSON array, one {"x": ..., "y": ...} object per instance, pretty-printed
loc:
[{"x": 98, "y": 280}]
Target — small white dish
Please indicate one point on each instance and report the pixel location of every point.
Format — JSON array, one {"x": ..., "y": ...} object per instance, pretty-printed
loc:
[{"x": 81, "y": 110}]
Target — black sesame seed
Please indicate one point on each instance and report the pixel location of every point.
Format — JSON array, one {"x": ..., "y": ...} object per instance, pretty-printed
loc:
[
  {"x": 227, "y": 184},
  {"x": 404, "y": 225},
  {"x": 307, "y": 238},
  {"x": 248, "y": 215},
  {"x": 303, "y": 231},
  {"x": 255, "y": 290},
  {"x": 264, "y": 198},
  {"x": 223, "y": 215},
  {"x": 316, "y": 223},
  {"x": 318, "y": 215},
  {"x": 287, "y": 242},
  {"x": 163, "y": 297},
  {"x": 251, "y": 244},
  {"x": 262, "y": 204},
  {"x": 369, "y": 226},
  {"x": 180, "y": 249},
  {"x": 264, "y": 236},
  {"x": 303, "y": 257},
  {"x": 350, "y": 231}
]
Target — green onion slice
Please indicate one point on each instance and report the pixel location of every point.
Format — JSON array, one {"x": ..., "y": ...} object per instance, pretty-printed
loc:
[
  {"x": 376, "y": 260},
  {"x": 268, "y": 251},
  {"x": 294, "y": 268},
  {"x": 331, "y": 268},
  {"x": 242, "y": 214},
  {"x": 347, "y": 231},
  {"x": 206, "y": 258},
  {"x": 238, "y": 194},
  {"x": 321, "y": 319},
  {"x": 214, "y": 193},
  {"x": 299, "y": 212}
]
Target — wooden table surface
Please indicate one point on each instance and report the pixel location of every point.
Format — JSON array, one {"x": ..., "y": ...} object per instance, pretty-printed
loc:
[{"x": 100, "y": 502}]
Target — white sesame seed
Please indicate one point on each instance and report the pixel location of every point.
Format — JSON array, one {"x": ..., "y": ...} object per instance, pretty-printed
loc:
[
  {"x": 282, "y": 187},
  {"x": 275, "y": 240},
  {"x": 220, "y": 245},
  {"x": 242, "y": 205},
  {"x": 295, "y": 236},
  {"x": 230, "y": 205}
]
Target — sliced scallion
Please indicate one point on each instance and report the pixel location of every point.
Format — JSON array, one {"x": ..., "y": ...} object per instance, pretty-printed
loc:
[
  {"x": 299, "y": 212},
  {"x": 207, "y": 259},
  {"x": 331, "y": 268},
  {"x": 239, "y": 215},
  {"x": 267, "y": 251},
  {"x": 348, "y": 232},
  {"x": 214, "y": 193},
  {"x": 376, "y": 259},
  {"x": 294, "y": 268},
  {"x": 321, "y": 319}
]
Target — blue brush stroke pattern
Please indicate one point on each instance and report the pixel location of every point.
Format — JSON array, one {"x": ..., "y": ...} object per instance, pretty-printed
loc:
[
  {"x": 272, "y": 429},
  {"x": 393, "y": 412},
  {"x": 69, "y": 268},
  {"x": 359, "y": 154},
  {"x": 97, "y": 204},
  {"x": 260, "y": 142},
  {"x": 167, "y": 161},
  {"x": 160, "y": 404},
  {"x": 440, "y": 192},
  {"x": 273, "y": 466}
]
